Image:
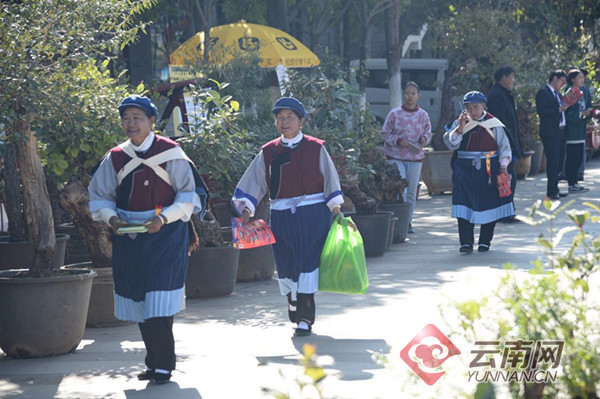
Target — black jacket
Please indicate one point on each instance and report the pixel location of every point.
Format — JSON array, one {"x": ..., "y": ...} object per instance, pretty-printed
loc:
[
  {"x": 501, "y": 104},
  {"x": 548, "y": 111}
]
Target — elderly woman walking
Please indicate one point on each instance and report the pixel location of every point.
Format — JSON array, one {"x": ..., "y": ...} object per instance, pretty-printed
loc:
[
  {"x": 482, "y": 152},
  {"x": 297, "y": 172}
]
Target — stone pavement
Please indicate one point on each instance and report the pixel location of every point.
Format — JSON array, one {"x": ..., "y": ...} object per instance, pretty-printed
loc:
[{"x": 231, "y": 347}]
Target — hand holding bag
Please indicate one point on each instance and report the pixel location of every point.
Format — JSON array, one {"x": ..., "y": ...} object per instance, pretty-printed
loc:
[{"x": 343, "y": 267}]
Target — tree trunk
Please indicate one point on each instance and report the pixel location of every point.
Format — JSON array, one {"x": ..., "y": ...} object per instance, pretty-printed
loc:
[
  {"x": 394, "y": 53},
  {"x": 74, "y": 199},
  {"x": 38, "y": 212},
  {"x": 277, "y": 15},
  {"x": 364, "y": 40},
  {"x": 446, "y": 112},
  {"x": 14, "y": 198},
  {"x": 346, "y": 35}
]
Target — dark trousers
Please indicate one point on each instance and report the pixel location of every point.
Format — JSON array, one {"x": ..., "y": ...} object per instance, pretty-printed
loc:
[
  {"x": 554, "y": 146},
  {"x": 304, "y": 308},
  {"x": 157, "y": 334},
  {"x": 574, "y": 161},
  {"x": 465, "y": 232}
]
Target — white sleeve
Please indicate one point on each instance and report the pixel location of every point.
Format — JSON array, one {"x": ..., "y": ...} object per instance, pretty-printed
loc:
[{"x": 331, "y": 186}]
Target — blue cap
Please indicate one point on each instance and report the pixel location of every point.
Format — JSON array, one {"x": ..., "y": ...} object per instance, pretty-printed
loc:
[
  {"x": 141, "y": 102},
  {"x": 290, "y": 103},
  {"x": 474, "y": 97}
]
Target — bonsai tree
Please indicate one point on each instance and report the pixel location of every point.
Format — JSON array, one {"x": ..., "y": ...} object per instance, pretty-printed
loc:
[{"x": 50, "y": 43}]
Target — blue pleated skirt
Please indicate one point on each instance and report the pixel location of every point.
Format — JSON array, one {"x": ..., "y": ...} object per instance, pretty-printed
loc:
[
  {"x": 473, "y": 197},
  {"x": 300, "y": 239},
  {"x": 149, "y": 273}
]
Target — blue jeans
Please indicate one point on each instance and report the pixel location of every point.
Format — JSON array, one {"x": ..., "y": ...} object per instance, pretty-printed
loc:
[{"x": 410, "y": 171}]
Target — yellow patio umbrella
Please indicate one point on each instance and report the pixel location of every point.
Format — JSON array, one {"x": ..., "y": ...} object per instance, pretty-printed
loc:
[{"x": 273, "y": 46}]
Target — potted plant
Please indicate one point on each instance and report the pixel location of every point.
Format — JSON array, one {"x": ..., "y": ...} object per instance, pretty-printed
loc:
[
  {"x": 352, "y": 139},
  {"x": 221, "y": 151},
  {"x": 50, "y": 57}
]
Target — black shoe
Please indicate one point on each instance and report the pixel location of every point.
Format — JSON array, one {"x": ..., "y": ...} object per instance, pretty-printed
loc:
[
  {"x": 510, "y": 219},
  {"x": 146, "y": 375},
  {"x": 465, "y": 249},
  {"x": 161, "y": 378},
  {"x": 483, "y": 248},
  {"x": 560, "y": 194},
  {"x": 303, "y": 332}
]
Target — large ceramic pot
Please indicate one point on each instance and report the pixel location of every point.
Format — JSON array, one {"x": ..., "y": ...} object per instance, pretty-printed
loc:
[
  {"x": 212, "y": 272},
  {"x": 401, "y": 210},
  {"x": 256, "y": 264},
  {"x": 393, "y": 221},
  {"x": 15, "y": 255},
  {"x": 536, "y": 158},
  {"x": 101, "y": 312},
  {"x": 76, "y": 250},
  {"x": 43, "y": 316},
  {"x": 374, "y": 230},
  {"x": 436, "y": 172},
  {"x": 523, "y": 165}
]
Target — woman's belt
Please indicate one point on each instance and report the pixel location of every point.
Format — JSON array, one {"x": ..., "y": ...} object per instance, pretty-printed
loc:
[
  {"x": 476, "y": 156},
  {"x": 281, "y": 204}
]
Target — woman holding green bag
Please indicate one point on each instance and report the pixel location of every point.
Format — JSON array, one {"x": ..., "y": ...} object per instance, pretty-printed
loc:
[{"x": 298, "y": 173}]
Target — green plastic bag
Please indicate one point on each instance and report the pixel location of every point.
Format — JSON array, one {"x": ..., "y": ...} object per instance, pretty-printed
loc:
[{"x": 343, "y": 267}]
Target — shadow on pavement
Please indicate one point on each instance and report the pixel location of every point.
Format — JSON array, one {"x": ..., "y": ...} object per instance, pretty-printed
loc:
[
  {"x": 169, "y": 390},
  {"x": 353, "y": 358}
]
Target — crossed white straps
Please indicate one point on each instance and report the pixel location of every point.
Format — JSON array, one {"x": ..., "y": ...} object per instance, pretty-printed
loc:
[
  {"x": 487, "y": 125},
  {"x": 153, "y": 162}
]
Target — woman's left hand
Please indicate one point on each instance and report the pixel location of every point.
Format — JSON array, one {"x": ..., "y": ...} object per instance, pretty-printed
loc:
[
  {"x": 422, "y": 140},
  {"x": 504, "y": 170},
  {"x": 155, "y": 224}
]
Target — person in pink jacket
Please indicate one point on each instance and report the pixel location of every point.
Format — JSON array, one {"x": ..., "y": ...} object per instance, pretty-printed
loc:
[{"x": 405, "y": 131}]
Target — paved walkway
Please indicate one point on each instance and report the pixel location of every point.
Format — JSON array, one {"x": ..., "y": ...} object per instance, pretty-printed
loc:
[{"x": 233, "y": 346}]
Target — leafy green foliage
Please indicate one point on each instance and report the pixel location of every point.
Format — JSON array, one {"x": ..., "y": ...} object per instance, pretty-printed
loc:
[
  {"x": 56, "y": 64},
  {"x": 553, "y": 302},
  {"x": 215, "y": 142}
]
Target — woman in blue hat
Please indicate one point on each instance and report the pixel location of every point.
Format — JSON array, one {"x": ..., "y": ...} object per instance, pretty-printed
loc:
[
  {"x": 149, "y": 181},
  {"x": 302, "y": 182},
  {"x": 482, "y": 152}
]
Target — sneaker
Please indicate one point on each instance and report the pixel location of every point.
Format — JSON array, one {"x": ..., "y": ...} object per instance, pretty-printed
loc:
[
  {"x": 483, "y": 248},
  {"x": 466, "y": 249},
  {"x": 576, "y": 188}
]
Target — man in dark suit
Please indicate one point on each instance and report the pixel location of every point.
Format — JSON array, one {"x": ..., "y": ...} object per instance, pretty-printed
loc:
[
  {"x": 552, "y": 128},
  {"x": 501, "y": 104}
]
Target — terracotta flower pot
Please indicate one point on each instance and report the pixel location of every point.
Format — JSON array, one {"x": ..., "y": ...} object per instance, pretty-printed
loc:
[{"x": 436, "y": 172}]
